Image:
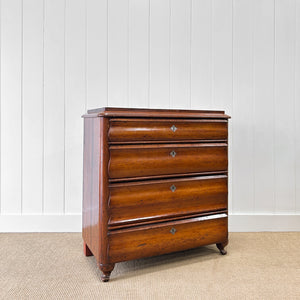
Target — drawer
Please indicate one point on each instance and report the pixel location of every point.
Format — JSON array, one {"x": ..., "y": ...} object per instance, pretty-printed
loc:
[
  {"x": 133, "y": 130},
  {"x": 144, "y": 241},
  {"x": 129, "y": 161},
  {"x": 151, "y": 200}
]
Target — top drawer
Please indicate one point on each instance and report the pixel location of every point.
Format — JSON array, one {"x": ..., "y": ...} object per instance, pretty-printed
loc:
[{"x": 127, "y": 130}]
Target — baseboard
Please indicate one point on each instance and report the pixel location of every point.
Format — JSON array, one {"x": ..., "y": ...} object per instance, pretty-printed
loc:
[
  {"x": 40, "y": 223},
  {"x": 72, "y": 223},
  {"x": 260, "y": 222}
]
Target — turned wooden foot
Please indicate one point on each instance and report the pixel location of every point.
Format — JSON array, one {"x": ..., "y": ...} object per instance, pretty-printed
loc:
[
  {"x": 106, "y": 270},
  {"x": 86, "y": 250},
  {"x": 221, "y": 247}
]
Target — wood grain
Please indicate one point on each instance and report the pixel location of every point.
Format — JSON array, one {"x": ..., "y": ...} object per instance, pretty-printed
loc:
[
  {"x": 157, "y": 239},
  {"x": 148, "y": 160},
  {"x": 166, "y": 130},
  {"x": 90, "y": 205},
  {"x": 156, "y": 113},
  {"x": 145, "y": 201}
]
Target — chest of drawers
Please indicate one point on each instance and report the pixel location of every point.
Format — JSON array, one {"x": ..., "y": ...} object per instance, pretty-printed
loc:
[{"x": 154, "y": 182}]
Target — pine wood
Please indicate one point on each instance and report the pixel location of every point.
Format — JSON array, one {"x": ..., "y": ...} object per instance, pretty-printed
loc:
[{"x": 155, "y": 182}]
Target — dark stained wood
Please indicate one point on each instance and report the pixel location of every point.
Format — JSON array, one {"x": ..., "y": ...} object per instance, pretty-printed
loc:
[
  {"x": 150, "y": 190},
  {"x": 143, "y": 201},
  {"x": 90, "y": 208},
  {"x": 163, "y": 142},
  {"x": 163, "y": 218},
  {"x": 133, "y": 179},
  {"x": 221, "y": 247},
  {"x": 86, "y": 250},
  {"x": 149, "y": 160},
  {"x": 106, "y": 270},
  {"x": 164, "y": 238},
  {"x": 124, "y": 130},
  {"x": 103, "y": 195},
  {"x": 155, "y": 113},
  {"x": 95, "y": 188}
]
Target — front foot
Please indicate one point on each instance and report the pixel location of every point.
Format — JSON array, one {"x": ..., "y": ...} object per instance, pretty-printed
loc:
[
  {"x": 106, "y": 270},
  {"x": 221, "y": 247}
]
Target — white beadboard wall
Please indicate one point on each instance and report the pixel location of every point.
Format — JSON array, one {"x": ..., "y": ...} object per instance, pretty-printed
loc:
[{"x": 62, "y": 57}]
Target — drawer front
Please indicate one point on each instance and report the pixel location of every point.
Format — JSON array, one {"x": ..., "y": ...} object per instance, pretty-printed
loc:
[
  {"x": 166, "y": 237},
  {"x": 166, "y": 130},
  {"x": 152, "y": 160},
  {"x": 147, "y": 201}
]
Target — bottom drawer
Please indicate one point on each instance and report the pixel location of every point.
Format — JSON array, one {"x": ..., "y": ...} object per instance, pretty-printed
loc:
[{"x": 157, "y": 239}]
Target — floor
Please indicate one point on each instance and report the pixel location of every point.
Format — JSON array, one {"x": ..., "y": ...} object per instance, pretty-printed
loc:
[{"x": 52, "y": 266}]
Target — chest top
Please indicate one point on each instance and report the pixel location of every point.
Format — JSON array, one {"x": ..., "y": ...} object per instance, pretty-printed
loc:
[{"x": 155, "y": 113}]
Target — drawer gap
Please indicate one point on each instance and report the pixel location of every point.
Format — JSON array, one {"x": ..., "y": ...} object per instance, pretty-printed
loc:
[
  {"x": 168, "y": 142},
  {"x": 169, "y": 176},
  {"x": 164, "y": 221},
  {"x": 170, "y": 180},
  {"x": 198, "y": 218}
]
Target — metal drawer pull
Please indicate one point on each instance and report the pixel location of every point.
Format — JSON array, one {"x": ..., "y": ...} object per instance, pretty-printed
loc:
[
  {"x": 173, "y": 188},
  {"x": 173, "y": 128},
  {"x": 173, "y": 153},
  {"x": 173, "y": 230}
]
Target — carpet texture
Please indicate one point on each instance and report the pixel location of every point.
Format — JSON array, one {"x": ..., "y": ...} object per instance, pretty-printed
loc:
[{"x": 52, "y": 266}]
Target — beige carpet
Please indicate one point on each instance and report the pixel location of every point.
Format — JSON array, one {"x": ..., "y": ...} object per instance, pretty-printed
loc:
[{"x": 52, "y": 266}]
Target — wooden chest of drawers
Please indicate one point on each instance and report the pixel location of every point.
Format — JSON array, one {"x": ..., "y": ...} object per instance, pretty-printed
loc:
[{"x": 155, "y": 182}]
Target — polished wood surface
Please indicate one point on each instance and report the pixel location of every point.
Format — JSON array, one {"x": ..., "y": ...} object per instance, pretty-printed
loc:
[
  {"x": 164, "y": 238},
  {"x": 154, "y": 182},
  {"x": 143, "y": 201},
  {"x": 124, "y": 130},
  {"x": 167, "y": 176},
  {"x": 149, "y": 160},
  {"x": 114, "y": 112},
  {"x": 221, "y": 247},
  {"x": 86, "y": 250},
  {"x": 103, "y": 196},
  {"x": 90, "y": 207}
]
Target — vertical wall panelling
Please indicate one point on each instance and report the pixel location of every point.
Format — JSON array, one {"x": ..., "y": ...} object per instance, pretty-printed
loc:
[
  {"x": 62, "y": 57},
  {"x": 222, "y": 54},
  {"x": 263, "y": 68},
  {"x": 242, "y": 122},
  {"x": 0, "y": 103},
  {"x": 180, "y": 54},
  {"x": 284, "y": 117},
  {"x": 11, "y": 105},
  {"x": 75, "y": 100},
  {"x": 118, "y": 56},
  {"x": 54, "y": 105},
  {"x": 297, "y": 104},
  {"x": 159, "y": 53},
  {"x": 96, "y": 56},
  {"x": 138, "y": 53},
  {"x": 201, "y": 73},
  {"x": 33, "y": 107},
  {"x": 221, "y": 64}
]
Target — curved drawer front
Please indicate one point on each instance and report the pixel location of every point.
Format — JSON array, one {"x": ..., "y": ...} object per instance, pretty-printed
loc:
[
  {"x": 138, "y": 161},
  {"x": 166, "y": 130},
  {"x": 166, "y": 237},
  {"x": 152, "y": 200}
]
